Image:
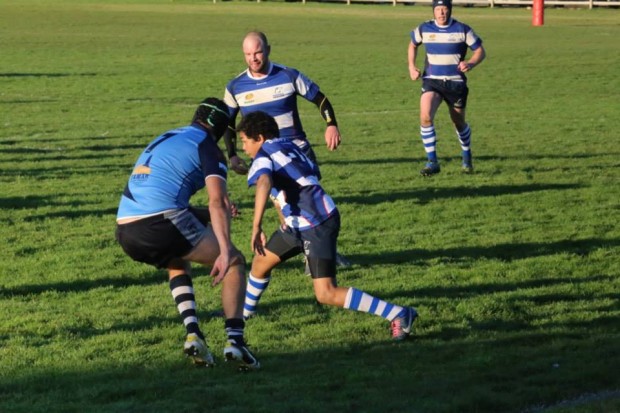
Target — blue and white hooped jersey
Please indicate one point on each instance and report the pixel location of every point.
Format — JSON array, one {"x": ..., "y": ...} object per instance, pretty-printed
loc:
[
  {"x": 170, "y": 170},
  {"x": 304, "y": 203},
  {"x": 275, "y": 94},
  {"x": 446, "y": 46}
]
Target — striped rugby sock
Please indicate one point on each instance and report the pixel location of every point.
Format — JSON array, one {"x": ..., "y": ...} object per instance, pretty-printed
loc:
[
  {"x": 429, "y": 139},
  {"x": 254, "y": 289},
  {"x": 183, "y": 293},
  {"x": 360, "y": 301},
  {"x": 234, "y": 330},
  {"x": 465, "y": 141}
]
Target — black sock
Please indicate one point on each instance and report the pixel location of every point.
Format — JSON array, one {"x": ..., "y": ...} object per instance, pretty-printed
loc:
[{"x": 234, "y": 330}]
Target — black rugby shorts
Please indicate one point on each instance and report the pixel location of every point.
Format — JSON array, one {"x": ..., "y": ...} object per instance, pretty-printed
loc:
[
  {"x": 318, "y": 244},
  {"x": 158, "y": 239}
]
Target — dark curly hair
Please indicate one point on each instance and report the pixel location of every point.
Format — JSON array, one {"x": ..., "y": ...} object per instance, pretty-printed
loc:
[{"x": 258, "y": 123}]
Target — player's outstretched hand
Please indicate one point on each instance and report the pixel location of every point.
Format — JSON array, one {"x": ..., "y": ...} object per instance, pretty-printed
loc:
[
  {"x": 238, "y": 165},
  {"x": 332, "y": 137}
]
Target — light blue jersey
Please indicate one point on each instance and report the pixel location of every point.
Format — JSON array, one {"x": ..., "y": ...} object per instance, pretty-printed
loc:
[
  {"x": 170, "y": 170},
  {"x": 296, "y": 184},
  {"x": 445, "y": 47},
  {"x": 275, "y": 94}
]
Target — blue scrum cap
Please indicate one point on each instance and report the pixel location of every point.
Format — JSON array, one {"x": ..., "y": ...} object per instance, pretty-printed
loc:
[{"x": 447, "y": 3}]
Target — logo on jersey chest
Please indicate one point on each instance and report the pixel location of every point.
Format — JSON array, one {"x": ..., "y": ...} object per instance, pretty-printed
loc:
[
  {"x": 279, "y": 92},
  {"x": 266, "y": 94},
  {"x": 248, "y": 99},
  {"x": 140, "y": 173},
  {"x": 445, "y": 38}
]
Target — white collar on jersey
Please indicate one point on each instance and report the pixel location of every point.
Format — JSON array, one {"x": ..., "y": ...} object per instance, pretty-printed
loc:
[
  {"x": 262, "y": 77},
  {"x": 446, "y": 25}
]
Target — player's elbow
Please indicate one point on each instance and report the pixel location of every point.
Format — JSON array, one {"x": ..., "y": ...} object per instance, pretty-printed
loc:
[{"x": 217, "y": 203}]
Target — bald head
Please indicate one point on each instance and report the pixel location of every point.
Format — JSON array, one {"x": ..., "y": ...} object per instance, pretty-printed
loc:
[
  {"x": 256, "y": 51},
  {"x": 255, "y": 35}
]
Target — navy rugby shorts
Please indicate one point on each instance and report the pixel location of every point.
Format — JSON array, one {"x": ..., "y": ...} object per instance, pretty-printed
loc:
[
  {"x": 454, "y": 93},
  {"x": 318, "y": 244},
  {"x": 158, "y": 239}
]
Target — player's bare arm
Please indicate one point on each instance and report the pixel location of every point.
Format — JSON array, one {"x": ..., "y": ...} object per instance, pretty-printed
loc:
[
  {"x": 414, "y": 72},
  {"x": 476, "y": 58},
  {"x": 220, "y": 222},
  {"x": 263, "y": 188}
]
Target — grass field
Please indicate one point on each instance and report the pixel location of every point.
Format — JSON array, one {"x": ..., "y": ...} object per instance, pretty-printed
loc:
[{"x": 514, "y": 270}]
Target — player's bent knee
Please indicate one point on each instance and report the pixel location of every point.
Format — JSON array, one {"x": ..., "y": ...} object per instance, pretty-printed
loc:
[
  {"x": 325, "y": 293},
  {"x": 237, "y": 259},
  {"x": 263, "y": 264},
  {"x": 325, "y": 297}
]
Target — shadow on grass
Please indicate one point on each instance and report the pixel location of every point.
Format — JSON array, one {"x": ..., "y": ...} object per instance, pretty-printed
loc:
[
  {"x": 21, "y": 74},
  {"x": 416, "y": 161},
  {"x": 64, "y": 154},
  {"x": 75, "y": 214},
  {"x": 505, "y": 374},
  {"x": 423, "y": 196},
  {"x": 27, "y": 101},
  {"x": 272, "y": 306},
  {"x": 25, "y": 151},
  {"x": 503, "y": 252},
  {"x": 52, "y": 138},
  {"x": 490, "y": 288},
  {"x": 474, "y": 367},
  {"x": 146, "y": 138},
  {"x": 84, "y": 285},
  {"x": 36, "y": 201},
  {"x": 60, "y": 172}
]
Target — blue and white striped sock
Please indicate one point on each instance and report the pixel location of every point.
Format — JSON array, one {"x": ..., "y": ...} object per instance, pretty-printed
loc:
[
  {"x": 465, "y": 140},
  {"x": 429, "y": 139},
  {"x": 360, "y": 301},
  {"x": 254, "y": 289}
]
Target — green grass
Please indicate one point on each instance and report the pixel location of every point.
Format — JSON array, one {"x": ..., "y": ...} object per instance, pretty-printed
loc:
[{"x": 514, "y": 270}]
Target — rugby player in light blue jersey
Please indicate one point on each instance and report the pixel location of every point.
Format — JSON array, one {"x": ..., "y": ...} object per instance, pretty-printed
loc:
[
  {"x": 273, "y": 88},
  {"x": 156, "y": 225},
  {"x": 446, "y": 41},
  {"x": 312, "y": 224}
]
